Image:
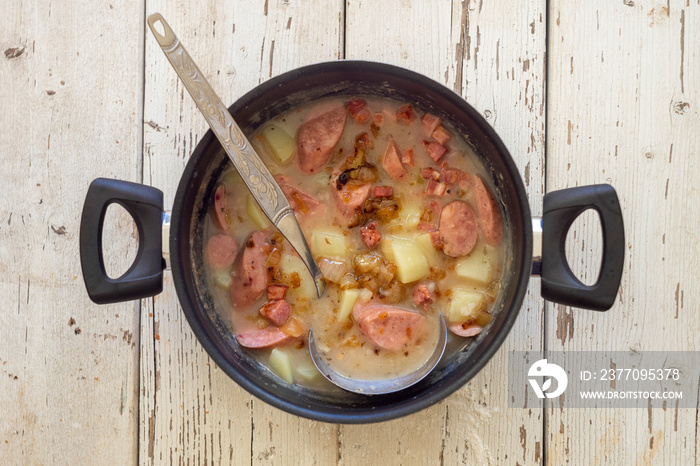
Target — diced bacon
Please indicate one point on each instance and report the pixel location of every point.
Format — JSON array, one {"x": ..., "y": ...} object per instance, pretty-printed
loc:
[
  {"x": 405, "y": 114},
  {"x": 407, "y": 157},
  {"x": 370, "y": 235},
  {"x": 392, "y": 163},
  {"x": 435, "y": 150},
  {"x": 450, "y": 175},
  {"x": 435, "y": 188},
  {"x": 276, "y": 291},
  {"x": 355, "y": 105},
  {"x": 379, "y": 119},
  {"x": 382, "y": 191},
  {"x": 422, "y": 296},
  {"x": 465, "y": 181},
  {"x": 277, "y": 310},
  {"x": 441, "y": 135},
  {"x": 435, "y": 239},
  {"x": 429, "y": 173},
  {"x": 364, "y": 116},
  {"x": 429, "y": 122}
]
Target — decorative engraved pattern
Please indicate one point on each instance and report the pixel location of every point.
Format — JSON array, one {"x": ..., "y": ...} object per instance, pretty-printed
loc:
[{"x": 253, "y": 171}]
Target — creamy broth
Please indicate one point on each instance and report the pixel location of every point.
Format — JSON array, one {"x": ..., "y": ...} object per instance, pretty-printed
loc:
[{"x": 392, "y": 261}]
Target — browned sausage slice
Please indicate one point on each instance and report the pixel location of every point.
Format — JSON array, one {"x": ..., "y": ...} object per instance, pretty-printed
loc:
[
  {"x": 222, "y": 250},
  {"x": 470, "y": 330},
  {"x": 250, "y": 272},
  {"x": 277, "y": 310},
  {"x": 458, "y": 229},
  {"x": 392, "y": 328},
  {"x": 489, "y": 216},
  {"x": 392, "y": 162},
  {"x": 317, "y": 139},
  {"x": 269, "y": 336},
  {"x": 349, "y": 199},
  {"x": 300, "y": 202}
]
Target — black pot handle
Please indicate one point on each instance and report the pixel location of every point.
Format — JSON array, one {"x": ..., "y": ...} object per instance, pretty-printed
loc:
[
  {"x": 561, "y": 208},
  {"x": 145, "y": 276}
]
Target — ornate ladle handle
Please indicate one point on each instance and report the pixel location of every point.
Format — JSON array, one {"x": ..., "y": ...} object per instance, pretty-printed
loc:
[{"x": 257, "y": 177}]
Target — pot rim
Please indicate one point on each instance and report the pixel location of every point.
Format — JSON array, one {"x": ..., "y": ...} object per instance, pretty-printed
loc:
[{"x": 202, "y": 326}]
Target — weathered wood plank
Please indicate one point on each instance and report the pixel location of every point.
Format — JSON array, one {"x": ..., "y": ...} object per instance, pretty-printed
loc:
[
  {"x": 186, "y": 397},
  {"x": 70, "y": 113},
  {"x": 494, "y": 56},
  {"x": 634, "y": 124}
]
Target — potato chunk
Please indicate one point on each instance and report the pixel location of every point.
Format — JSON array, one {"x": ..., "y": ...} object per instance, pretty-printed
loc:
[
  {"x": 281, "y": 364},
  {"x": 478, "y": 266},
  {"x": 348, "y": 298},
  {"x": 329, "y": 244},
  {"x": 278, "y": 142},
  {"x": 465, "y": 305},
  {"x": 408, "y": 257},
  {"x": 256, "y": 214},
  {"x": 306, "y": 289}
]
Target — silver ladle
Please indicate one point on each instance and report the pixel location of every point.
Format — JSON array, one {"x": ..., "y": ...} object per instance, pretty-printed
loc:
[
  {"x": 379, "y": 387},
  {"x": 257, "y": 177},
  {"x": 272, "y": 201}
]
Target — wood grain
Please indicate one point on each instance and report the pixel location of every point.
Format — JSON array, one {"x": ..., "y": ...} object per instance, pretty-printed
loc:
[
  {"x": 68, "y": 368},
  {"x": 634, "y": 125},
  {"x": 613, "y": 83}
]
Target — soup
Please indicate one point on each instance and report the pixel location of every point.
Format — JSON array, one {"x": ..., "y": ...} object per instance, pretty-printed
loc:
[{"x": 401, "y": 219}]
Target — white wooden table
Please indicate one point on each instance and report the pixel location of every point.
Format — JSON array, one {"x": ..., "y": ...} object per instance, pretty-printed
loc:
[{"x": 580, "y": 92}]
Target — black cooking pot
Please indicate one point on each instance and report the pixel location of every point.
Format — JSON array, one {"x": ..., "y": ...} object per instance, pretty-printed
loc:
[{"x": 196, "y": 188}]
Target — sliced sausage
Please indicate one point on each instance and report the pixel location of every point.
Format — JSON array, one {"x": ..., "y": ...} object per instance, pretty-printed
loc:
[
  {"x": 250, "y": 271},
  {"x": 392, "y": 328},
  {"x": 300, "y": 202},
  {"x": 221, "y": 210},
  {"x": 221, "y": 251},
  {"x": 488, "y": 213},
  {"x": 277, "y": 310},
  {"x": 458, "y": 229},
  {"x": 317, "y": 139},
  {"x": 264, "y": 338},
  {"x": 348, "y": 199},
  {"x": 392, "y": 162},
  {"x": 470, "y": 330}
]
